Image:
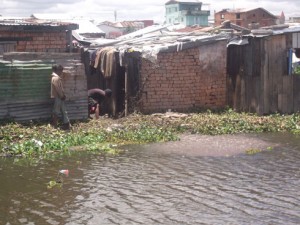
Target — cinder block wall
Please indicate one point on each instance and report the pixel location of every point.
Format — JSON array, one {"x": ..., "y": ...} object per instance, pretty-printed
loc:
[
  {"x": 54, "y": 41},
  {"x": 185, "y": 80}
]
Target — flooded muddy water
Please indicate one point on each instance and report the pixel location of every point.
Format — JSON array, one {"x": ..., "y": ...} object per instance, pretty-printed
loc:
[{"x": 198, "y": 180}]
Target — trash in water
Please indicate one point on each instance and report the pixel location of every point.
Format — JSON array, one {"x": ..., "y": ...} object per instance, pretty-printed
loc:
[
  {"x": 59, "y": 180},
  {"x": 65, "y": 172}
]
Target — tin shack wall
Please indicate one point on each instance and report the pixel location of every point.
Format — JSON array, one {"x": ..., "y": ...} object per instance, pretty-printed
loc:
[{"x": 25, "y": 85}]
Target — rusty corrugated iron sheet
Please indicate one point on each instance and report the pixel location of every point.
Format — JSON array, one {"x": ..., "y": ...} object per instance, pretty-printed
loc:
[{"x": 25, "y": 87}]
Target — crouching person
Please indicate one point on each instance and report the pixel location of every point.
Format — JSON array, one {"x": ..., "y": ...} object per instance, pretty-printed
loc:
[
  {"x": 57, "y": 92},
  {"x": 96, "y": 97}
]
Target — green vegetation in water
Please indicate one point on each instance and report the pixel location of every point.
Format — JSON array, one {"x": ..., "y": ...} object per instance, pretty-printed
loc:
[
  {"x": 58, "y": 182},
  {"x": 40, "y": 140},
  {"x": 52, "y": 184},
  {"x": 253, "y": 151},
  {"x": 36, "y": 140}
]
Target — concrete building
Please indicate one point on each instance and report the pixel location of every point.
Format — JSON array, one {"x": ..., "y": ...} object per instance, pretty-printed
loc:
[
  {"x": 249, "y": 18},
  {"x": 294, "y": 19},
  {"x": 188, "y": 13}
]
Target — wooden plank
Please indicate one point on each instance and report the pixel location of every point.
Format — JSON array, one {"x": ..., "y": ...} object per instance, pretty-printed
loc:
[
  {"x": 273, "y": 74},
  {"x": 255, "y": 102},
  {"x": 288, "y": 85},
  {"x": 264, "y": 75},
  {"x": 254, "y": 89},
  {"x": 295, "y": 40},
  {"x": 249, "y": 62},
  {"x": 243, "y": 102},
  {"x": 296, "y": 93},
  {"x": 237, "y": 93},
  {"x": 281, "y": 102},
  {"x": 250, "y": 93},
  {"x": 280, "y": 49}
]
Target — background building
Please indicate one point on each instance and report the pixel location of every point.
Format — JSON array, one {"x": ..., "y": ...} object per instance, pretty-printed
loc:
[
  {"x": 294, "y": 19},
  {"x": 187, "y": 13},
  {"x": 253, "y": 18},
  {"x": 117, "y": 29}
]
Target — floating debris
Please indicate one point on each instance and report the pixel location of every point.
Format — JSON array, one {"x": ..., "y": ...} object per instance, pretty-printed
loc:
[
  {"x": 59, "y": 180},
  {"x": 65, "y": 172}
]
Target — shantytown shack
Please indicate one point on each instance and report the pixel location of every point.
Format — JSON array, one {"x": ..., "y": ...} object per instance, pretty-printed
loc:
[
  {"x": 155, "y": 70},
  {"x": 250, "y": 71},
  {"x": 29, "y": 48},
  {"x": 263, "y": 71}
]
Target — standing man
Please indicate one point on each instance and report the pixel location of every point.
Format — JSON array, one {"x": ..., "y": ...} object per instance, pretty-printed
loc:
[
  {"x": 57, "y": 92},
  {"x": 96, "y": 97}
]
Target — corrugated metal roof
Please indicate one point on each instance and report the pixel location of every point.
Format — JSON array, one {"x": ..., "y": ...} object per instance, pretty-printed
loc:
[
  {"x": 155, "y": 39},
  {"x": 290, "y": 29},
  {"x": 182, "y": 1},
  {"x": 263, "y": 33},
  {"x": 131, "y": 24},
  {"x": 85, "y": 25},
  {"x": 160, "y": 36},
  {"x": 52, "y": 16}
]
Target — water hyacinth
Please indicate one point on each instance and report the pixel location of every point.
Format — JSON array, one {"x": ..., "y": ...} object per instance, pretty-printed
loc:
[{"x": 41, "y": 140}]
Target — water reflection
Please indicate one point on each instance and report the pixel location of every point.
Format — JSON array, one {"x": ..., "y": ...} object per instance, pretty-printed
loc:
[{"x": 189, "y": 182}]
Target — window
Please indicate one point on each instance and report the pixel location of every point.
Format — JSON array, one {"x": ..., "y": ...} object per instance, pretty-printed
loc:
[
  {"x": 238, "y": 16},
  {"x": 253, "y": 15},
  {"x": 294, "y": 61},
  {"x": 181, "y": 19},
  {"x": 222, "y": 16}
]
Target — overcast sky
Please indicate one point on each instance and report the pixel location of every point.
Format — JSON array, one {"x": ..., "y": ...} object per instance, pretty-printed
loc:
[{"x": 102, "y": 10}]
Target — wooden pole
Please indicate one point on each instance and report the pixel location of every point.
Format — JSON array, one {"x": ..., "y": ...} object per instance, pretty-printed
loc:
[
  {"x": 69, "y": 40},
  {"x": 126, "y": 90}
]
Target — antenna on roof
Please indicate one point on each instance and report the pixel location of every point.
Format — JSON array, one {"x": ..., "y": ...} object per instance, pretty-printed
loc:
[{"x": 115, "y": 14}]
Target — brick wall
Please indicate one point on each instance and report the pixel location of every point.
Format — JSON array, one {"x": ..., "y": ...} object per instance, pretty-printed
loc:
[
  {"x": 38, "y": 41},
  {"x": 258, "y": 16},
  {"x": 184, "y": 80}
]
